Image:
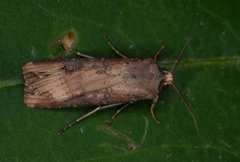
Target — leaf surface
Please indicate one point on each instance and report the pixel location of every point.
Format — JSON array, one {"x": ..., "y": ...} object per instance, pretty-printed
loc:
[{"x": 208, "y": 76}]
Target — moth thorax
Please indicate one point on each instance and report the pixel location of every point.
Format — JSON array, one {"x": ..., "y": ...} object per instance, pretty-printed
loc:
[{"x": 168, "y": 78}]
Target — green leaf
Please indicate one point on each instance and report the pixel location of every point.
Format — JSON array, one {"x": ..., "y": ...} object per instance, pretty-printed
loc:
[{"x": 208, "y": 76}]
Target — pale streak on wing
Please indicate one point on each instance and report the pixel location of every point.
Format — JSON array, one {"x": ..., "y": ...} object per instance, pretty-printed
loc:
[
  {"x": 48, "y": 82},
  {"x": 49, "y": 79}
]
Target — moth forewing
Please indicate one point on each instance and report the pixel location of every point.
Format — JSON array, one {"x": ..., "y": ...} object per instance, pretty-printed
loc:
[{"x": 83, "y": 82}]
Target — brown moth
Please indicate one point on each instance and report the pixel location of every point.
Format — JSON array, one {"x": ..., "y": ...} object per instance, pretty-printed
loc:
[
  {"x": 84, "y": 82},
  {"x": 90, "y": 81}
]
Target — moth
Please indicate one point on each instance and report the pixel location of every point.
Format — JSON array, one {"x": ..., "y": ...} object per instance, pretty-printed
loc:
[{"x": 88, "y": 81}]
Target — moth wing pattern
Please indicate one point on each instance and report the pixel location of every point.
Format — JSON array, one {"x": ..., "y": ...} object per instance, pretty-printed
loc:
[
  {"x": 88, "y": 82},
  {"x": 44, "y": 83}
]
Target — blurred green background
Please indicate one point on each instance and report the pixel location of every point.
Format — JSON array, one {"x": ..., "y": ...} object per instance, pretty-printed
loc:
[{"x": 208, "y": 76}]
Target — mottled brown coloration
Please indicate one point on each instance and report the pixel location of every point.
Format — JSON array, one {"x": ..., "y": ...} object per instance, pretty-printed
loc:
[{"x": 83, "y": 82}]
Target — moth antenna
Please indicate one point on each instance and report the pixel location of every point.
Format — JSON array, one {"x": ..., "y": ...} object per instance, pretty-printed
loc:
[
  {"x": 192, "y": 115},
  {"x": 188, "y": 108},
  {"x": 181, "y": 54}
]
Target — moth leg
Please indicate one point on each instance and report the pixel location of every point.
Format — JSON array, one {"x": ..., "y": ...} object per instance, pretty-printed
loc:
[
  {"x": 158, "y": 53},
  {"x": 80, "y": 54},
  {"x": 117, "y": 113},
  {"x": 152, "y": 109},
  {"x": 68, "y": 49},
  {"x": 79, "y": 119},
  {"x": 114, "y": 48}
]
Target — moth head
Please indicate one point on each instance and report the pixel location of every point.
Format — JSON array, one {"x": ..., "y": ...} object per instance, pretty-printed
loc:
[{"x": 168, "y": 78}]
